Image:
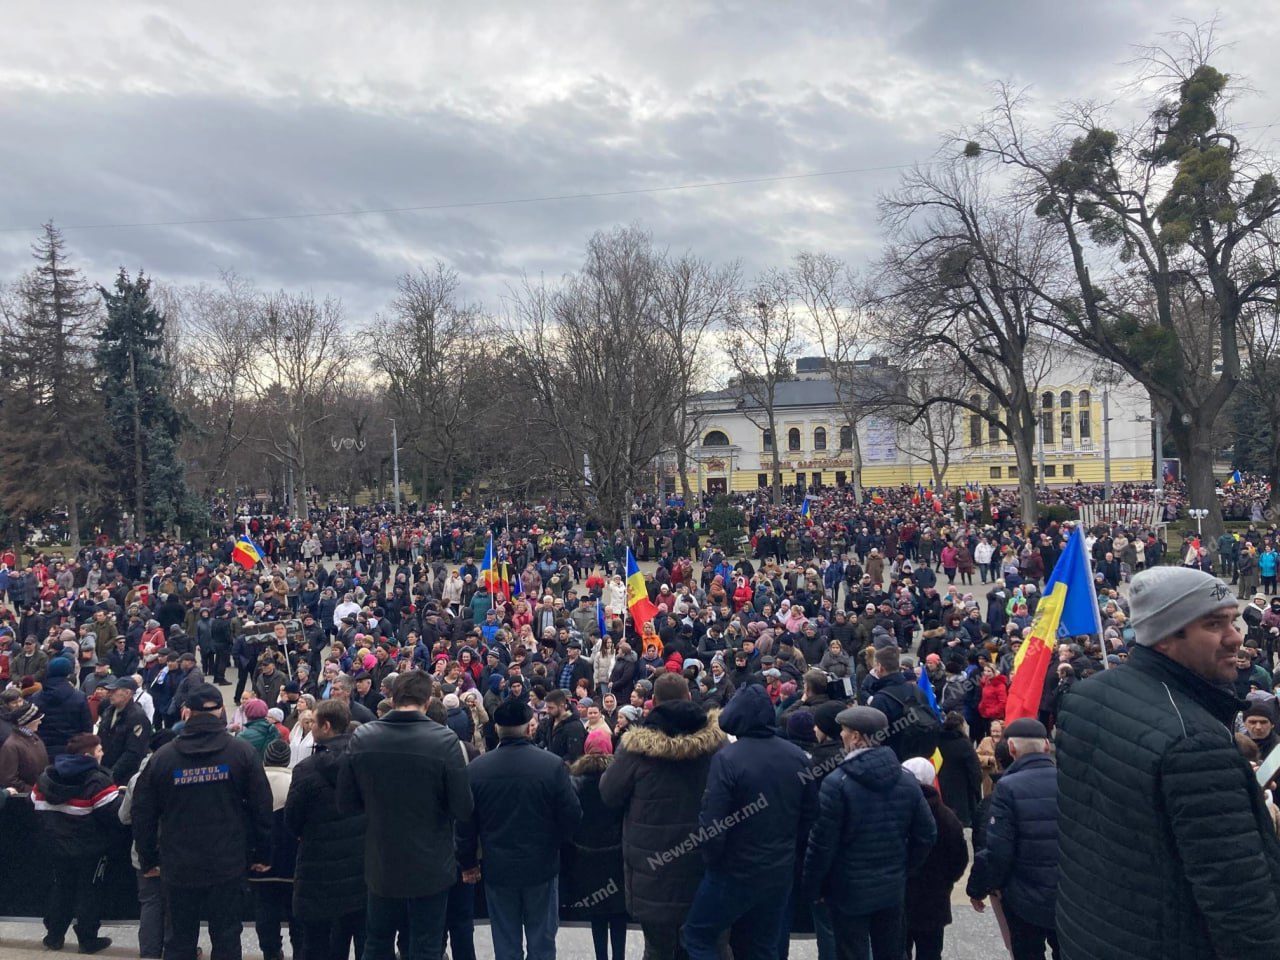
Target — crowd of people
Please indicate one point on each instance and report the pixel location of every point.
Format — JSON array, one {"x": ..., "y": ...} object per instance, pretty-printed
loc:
[{"x": 366, "y": 728}]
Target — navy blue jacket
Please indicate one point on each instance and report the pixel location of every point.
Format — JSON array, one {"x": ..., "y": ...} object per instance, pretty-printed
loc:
[
  {"x": 757, "y": 796},
  {"x": 1020, "y": 856},
  {"x": 66, "y": 713},
  {"x": 525, "y": 810},
  {"x": 873, "y": 827}
]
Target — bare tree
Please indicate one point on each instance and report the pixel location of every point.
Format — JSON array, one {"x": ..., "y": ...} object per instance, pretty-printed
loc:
[
  {"x": 959, "y": 280},
  {"x": 932, "y": 430},
  {"x": 1173, "y": 211},
  {"x": 762, "y": 339},
  {"x": 303, "y": 355}
]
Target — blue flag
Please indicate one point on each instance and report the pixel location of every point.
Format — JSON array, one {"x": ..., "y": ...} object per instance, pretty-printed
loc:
[
  {"x": 600, "y": 616},
  {"x": 924, "y": 684},
  {"x": 1080, "y": 606},
  {"x": 804, "y": 507}
]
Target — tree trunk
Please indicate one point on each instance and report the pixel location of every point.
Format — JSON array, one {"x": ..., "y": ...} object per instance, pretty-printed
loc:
[
  {"x": 1024, "y": 440},
  {"x": 139, "y": 497},
  {"x": 682, "y": 464},
  {"x": 855, "y": 471},
  {"x": 73, "y": 521},
  {"x": 776, "y": 475},
  {"x": 1195, "y": 445},
  {"x": 1273, "y": 465}
]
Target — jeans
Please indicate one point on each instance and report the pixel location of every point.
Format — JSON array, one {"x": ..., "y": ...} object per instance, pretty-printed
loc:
[
  {"x": 823, "y": 933},
  {"x": 872, "y": 936},
  {"x": 151, "y": 919},
  {"x": 460, "y": 920},
  {"x": 219, "y": 905},
  {"x": 1028, "y": 940},
  {"x": 720, "y": 902},
  {"x": 422, "y": 918},
  {"x": 532, "y": 911},
  {"x": 77, "y": 894},
  {"x": 273, "y": 905}
]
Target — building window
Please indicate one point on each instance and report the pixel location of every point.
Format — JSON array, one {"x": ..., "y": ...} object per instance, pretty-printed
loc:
[
  {"x": 1083, "y": 400},
  {"x": 1046, "y": 400},
  {"x": 819, "y": 439},
  {"x": 846, "y": 438},
  {"x": 1050, "y": 470},
  {"x": 1046, "y": 427},
  {"x": 800, "y": 482},
  {"x": 994, "y": 473},
  {"x": 1066, "y": 424},
  {"x": 1086, "y": 425},
  {"x": 716, "y": 438},
  {"x": 1064, "y": 401},
  {"x": 1013, "y": 473},
  {"x": 975, "y": 430},
  {"x": 793, "y": 439},
  {"x": 766, "y": 440},
  {"x": 1068, "y": 469},
  {"x": 817, "y": 480},
  {"x": 762, "y": 480},
  {"x": 841, "y": 478}
]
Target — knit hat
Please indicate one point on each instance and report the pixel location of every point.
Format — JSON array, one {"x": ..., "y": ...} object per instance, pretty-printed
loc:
[
  {"x": 511, "y": 713},
  {"x": 922, "y": 770},
  {"x": 451, "y": 701},
  {"x": 275, "y": 715},
  {"x": 824, "y": 718},
  {"x": 599, "y": 741},
  {"x": 1163, "y": 600},
  {"x": 59, "y": 667},
  {"x": 27, "y": 715},
  {"x": 800, "y": 727},
  {"x": 255, "y": 709},
  {"x": 633, "y": 714},
  {"x": 277, "y": 754}
]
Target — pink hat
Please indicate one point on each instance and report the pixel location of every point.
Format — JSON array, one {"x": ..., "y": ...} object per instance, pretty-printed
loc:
[
  {"x": 370, "y": 661},
  {"x": 255, "y": 709},
  {"x": 599, "y": 741}
]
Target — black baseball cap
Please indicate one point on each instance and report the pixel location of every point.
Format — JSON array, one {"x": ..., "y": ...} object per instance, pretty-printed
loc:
[{"x": 205, "y": 698}]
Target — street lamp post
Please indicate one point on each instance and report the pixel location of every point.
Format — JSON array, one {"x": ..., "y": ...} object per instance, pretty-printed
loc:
[
  {"x": 395, "y": 463},
  {"x": 1106, "y": 441},
  {"x": 1199, "y": 515}
]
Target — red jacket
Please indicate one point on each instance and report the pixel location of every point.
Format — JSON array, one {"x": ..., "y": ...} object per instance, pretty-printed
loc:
[{"x": 995, "y": 696}]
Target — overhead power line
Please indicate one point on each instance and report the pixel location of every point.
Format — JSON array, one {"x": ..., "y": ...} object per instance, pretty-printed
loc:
[{"x": 467, "y": 204}]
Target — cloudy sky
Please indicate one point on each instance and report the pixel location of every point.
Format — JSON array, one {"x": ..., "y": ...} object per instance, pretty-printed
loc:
[{"x": 134, "y": 112}]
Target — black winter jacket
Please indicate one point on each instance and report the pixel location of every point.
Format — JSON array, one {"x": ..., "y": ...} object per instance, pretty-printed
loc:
[
  {"x": 960, "y": 778},
  {"x": 125, "y": 735},
  {"x": 524, "y": 810},
  {"x": 328, "y": 878},
  {"x": 591, "y": 869},
  {"x": 78, "y": 806},
  {"x": 757, "y": 798},
  {"x": 406, "y": 769},
  {"x": 202, "y": 807},
  {"x": 66, "y": 713},
  {"x": 929, "y": 888},
  {"x": 1020, "y": 855},
  {"x": 1167, "y": 850},
  {"x": 658, "y": 776},
  {"x": 873, "y": 826}
]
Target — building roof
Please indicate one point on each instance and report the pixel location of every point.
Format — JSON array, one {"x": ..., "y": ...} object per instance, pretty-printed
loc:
[{"x": 807, "y": 392}]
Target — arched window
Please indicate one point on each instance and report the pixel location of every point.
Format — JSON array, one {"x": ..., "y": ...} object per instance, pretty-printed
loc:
[
  {"x": 1084, "y": 399},
  {"x": 716, "y": 438},
  {"x": 1064, "y": 401},
  {"x": 766, "y": 440},
  {"x": 793, "y": 438},
  {"x": 819, "y": 438},
  {"x": 991, "y": 402},
  {"x": 1046, "y": 400},
  {"x": 975, "y": 430},
  {"x": 975, "y": 401},
  {"x": 846, "y": 438}
]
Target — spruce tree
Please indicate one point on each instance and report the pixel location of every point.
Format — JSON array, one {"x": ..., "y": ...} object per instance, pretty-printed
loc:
[{"x": 142, "y": 419}]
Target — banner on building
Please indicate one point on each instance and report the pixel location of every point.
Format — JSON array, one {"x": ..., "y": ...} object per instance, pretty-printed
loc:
[{"x": 882, "y": 441}]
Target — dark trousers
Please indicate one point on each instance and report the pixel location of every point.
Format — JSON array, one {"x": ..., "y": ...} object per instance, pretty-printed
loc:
[
  {"x": 332, "y": 939},
  {"x": 720, "y": 903},
  {"x": 523, "y": 920},
  {"x": 221, "y": 659},
  {"x": 77, "y": 894},
  {"x": 662, "y": 941},
  {"x": 927, "y": 943},
  {"x": 422, "y": 918},
  {"x": 1027, "y": 939},
  {"x": 460, "y": 920},
  {"x": 607, "y": 932},
  {"x": 151, "y": 918},
  {"x": 869, "y": 936},
  {"x": 219, "y": 904},
  {"x": 272, "y": 906}
]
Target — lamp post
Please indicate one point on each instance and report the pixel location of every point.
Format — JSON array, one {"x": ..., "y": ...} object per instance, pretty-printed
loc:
[
  {"x": 395, "y": 463},
  {"x": 1199, "y": 515}
]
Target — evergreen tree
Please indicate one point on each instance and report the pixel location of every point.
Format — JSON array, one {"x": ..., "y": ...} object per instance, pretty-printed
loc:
[
  {"x": 142, "y": 419},
  {"x": 51, "y": 421}
]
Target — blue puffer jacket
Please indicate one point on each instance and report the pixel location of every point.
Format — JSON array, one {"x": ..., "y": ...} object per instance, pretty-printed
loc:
[
  {"x": 874, "y": 826},
  {"x": 1020, "y": 858},
  {"x": 757, "y": 797}
]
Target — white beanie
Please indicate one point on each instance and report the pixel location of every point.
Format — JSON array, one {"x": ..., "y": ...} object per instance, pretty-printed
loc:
[
  {"x": 922, "y": 770},
  {"x": 1163, "y": 600}
]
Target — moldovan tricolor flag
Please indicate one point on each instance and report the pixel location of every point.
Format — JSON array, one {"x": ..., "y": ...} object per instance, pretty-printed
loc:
[
  {"x": 1068, "y": 608},
  {"x": 638, "y": 602},
  {"x": 493, "y": 574},
  {"x": 247, "y": 553},
  {"x": 1193, "y": 552}
]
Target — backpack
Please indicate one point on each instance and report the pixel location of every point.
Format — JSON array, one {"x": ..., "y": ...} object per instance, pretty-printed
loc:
[
  {"x": 920, "y": 726},
  {"x": 954, "y": 691}
]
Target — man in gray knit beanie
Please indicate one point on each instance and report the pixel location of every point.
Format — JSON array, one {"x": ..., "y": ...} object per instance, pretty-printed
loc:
[{"x": 1163, "y": 601}]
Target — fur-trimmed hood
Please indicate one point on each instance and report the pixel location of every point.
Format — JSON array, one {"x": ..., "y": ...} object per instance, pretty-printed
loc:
[
  {"x": 676, "y": 731},
  {"x": 590, "y": 763}
]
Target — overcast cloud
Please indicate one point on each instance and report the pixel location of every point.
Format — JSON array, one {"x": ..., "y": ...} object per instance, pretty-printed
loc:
[{"x": 133, "y": 111}]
